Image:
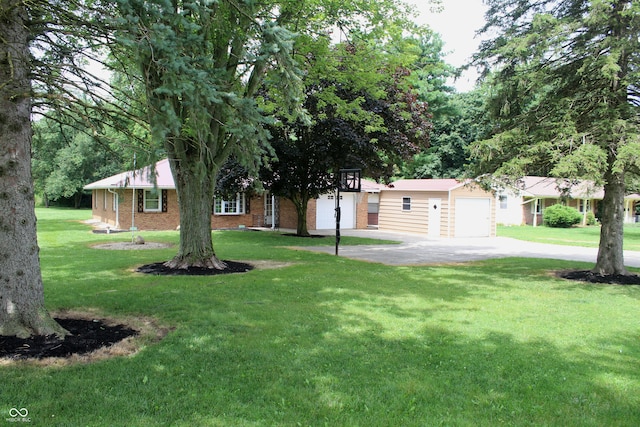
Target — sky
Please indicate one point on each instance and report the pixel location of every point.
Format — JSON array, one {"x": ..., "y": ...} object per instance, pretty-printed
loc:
[{"x": 457, "y": 25}]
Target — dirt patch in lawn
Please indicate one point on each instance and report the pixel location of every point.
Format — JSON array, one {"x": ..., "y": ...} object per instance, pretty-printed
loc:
[
  {"x": 132, "y": 246},
  {"x": 591, "y": 277},
  {"x": 92, "y": 338}
]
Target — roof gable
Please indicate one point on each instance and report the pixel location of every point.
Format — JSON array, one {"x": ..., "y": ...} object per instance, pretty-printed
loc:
[
  {"x": 537, "y": 186},
  {"x": 140, "y": 178}
]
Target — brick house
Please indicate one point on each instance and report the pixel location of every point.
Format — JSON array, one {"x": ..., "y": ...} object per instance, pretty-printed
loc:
[
  {"x": 150, "y": 203},
  {"x": 525, "y": 203}
]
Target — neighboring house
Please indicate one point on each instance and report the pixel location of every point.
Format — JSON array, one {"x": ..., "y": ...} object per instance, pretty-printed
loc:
[
  {"x": 149, "y": 202},
  {"x": 437, "y": 208},
  {"x": 525, "y": 204}
]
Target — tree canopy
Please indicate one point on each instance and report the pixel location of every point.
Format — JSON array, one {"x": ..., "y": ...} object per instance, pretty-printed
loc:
[
  {"x": 202, "y": 65},
  {"x": 308, "y": 157}
]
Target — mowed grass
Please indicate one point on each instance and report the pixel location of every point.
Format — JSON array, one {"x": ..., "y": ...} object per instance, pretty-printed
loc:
[
  {"x": 332, "y": 341},
  {"x": 575, "y": 236}
]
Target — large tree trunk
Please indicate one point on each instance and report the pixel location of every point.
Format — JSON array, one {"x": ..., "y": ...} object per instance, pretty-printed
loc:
[
  {"x": 22, "y": 310},
  {"x": 195, "y": 184},
  {"x": 610, "y": 252}
]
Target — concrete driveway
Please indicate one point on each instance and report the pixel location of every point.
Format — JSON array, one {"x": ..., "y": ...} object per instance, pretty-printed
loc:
[{"x": 421, "y": 250}]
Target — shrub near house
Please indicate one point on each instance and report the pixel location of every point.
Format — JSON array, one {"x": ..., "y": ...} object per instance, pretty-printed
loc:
[{"x": 560, "y": 216}]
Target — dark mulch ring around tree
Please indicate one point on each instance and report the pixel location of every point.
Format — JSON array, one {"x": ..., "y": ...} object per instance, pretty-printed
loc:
[
  {"x": 591, "y": 277},
  {"x": 311, "y": 236},
  {"x": 160, "y": 269},
  {"x": 85, "y": 337}
]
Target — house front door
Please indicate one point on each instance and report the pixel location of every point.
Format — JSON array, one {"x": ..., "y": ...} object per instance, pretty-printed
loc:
[
  {"x": 434, "y": 217},
  {"x": 270, "y": 210}
]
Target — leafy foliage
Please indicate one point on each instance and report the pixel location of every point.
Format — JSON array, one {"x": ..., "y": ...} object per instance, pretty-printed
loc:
[
  {"x": 202, "y": 64},
  {"x": 456, "y": 126},
  {"x": 65, "y": 159},
  {"x": 369, "y": 130}
]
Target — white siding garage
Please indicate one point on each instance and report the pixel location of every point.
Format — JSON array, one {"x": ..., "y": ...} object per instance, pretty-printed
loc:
[
  {"x": 326, "y": 211},
  {"x": 472, "y": 217},
  {"x": 437, "y": 208}
]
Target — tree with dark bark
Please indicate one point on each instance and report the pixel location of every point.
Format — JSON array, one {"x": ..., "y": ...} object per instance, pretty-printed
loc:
[
  {"x": 22, "y": 309},
  {"x": 565, "y": 97}
]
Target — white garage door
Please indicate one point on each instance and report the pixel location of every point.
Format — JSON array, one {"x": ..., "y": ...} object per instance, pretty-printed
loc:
[
  {"x": 326, "y": 211},
  {"x": 473, "y": 217}
]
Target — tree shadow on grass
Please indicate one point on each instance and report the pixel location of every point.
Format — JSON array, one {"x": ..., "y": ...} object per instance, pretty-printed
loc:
[{"x": 366, "y": 352}]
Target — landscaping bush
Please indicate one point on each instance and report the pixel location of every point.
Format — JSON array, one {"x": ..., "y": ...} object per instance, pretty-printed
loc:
[
  {"x": 560, "y": 216},
  {"x": 591, "y": 218}
]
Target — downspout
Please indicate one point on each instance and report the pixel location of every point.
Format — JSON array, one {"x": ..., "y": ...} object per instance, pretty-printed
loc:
[
  {"x": 133, "y": 200},
  {"x": 117, "y": 203},
  {"x": 449, "y": 215},
  {"x": 133, "y": 213}
]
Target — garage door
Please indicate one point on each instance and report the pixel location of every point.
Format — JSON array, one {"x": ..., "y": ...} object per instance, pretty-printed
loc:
[
  {"x": 326, "y": 211},
  {"x": 473, "y": 217}
]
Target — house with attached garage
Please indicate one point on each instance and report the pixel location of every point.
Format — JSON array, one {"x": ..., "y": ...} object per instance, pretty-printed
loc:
[
  {"x": 438, "y": 208},
  {"x": 524, "y": 202},
  {"x": 147, "y": 199}
]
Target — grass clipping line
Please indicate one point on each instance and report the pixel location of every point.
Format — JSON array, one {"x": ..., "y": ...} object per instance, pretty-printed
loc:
[{"x": 149, "y": 331}]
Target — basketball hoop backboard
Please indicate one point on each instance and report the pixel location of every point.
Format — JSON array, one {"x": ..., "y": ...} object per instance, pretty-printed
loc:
[{"x": 350, "y": 180}]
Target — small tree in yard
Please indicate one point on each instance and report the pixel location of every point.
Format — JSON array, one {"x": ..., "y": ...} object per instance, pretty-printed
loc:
[{"x": 308, "y": 157}]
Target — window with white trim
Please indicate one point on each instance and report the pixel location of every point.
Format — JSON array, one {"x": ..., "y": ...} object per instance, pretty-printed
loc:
[
  {"x": 104, "y": 200},
  {"x": 152, "y": 201},
  {"x": 406, "y": 203},
  {"x": 229, "y": 207}
]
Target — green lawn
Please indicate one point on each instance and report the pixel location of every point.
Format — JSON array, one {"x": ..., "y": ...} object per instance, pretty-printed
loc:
[
  {"x": 576, "y": 236},
  {"x": 332, "y": 341}
]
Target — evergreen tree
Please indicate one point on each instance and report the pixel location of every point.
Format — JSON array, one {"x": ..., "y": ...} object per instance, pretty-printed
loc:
[{"x": 565, "y": 99}]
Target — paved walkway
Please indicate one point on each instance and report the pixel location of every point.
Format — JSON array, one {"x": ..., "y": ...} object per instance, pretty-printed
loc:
[{"x": 421, "y": 250}]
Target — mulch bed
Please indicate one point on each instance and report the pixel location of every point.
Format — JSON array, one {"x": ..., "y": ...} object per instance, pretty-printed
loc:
[
  {"x": 159, "y": 268},
  {"x": 591, "y": 277},
  {"x": 87, "y": 336}
]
